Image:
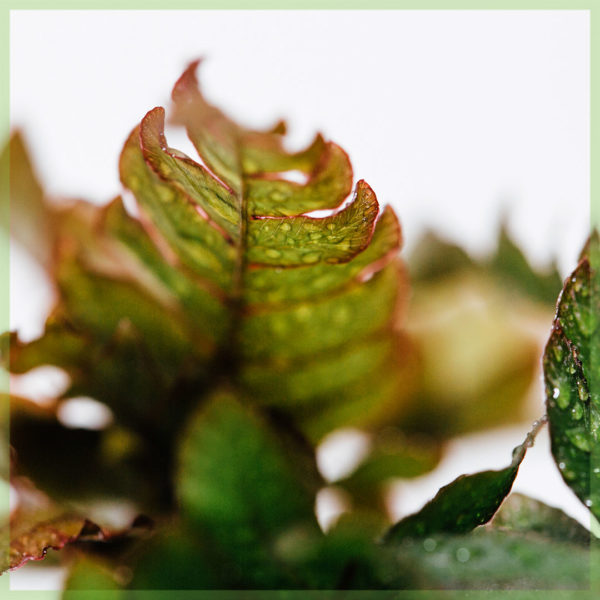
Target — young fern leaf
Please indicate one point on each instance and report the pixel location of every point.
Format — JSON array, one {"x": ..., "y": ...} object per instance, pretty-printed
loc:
[
  {"x": 307, "y": 297},
  {"x": 223, "y": 285}
]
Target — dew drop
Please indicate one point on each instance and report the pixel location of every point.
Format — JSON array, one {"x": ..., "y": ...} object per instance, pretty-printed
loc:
[
  {"x": 561, "y": 465},
  {"x": 311, "y": 258},
  {"x": 463, "y": 555},
  {"x": 577, "y": 412},
  {"x": 588, "y": 502},
  {"x": 272, "y": 253},
  {"x": 555, "y": 393},
  {"x": 429, "y": 544},
  {"x": 582, "y": 391},
  {"x": 563, "y": 400},
  {"x": 579, "y": 439}
]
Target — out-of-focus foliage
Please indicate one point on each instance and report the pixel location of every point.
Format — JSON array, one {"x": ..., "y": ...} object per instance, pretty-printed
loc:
[
  {"x": 477, "y": 326},
  {"x": 227, "y": 332}
]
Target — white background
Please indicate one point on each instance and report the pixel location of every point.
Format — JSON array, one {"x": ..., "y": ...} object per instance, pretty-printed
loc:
[{"x": 453, "y": 117}]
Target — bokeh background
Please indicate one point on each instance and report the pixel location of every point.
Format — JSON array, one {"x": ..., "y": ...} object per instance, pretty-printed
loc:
[{"x": 458, "y": 119}]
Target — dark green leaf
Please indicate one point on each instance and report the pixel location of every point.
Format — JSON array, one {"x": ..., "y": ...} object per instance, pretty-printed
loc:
[
  {"x": 494, "y": 560},
  {"x": 467, "y": 502},
  {"x": 527, "y": 545},
  {"x": 571, "y": 373},
  {"x": 241, "y": 491}
]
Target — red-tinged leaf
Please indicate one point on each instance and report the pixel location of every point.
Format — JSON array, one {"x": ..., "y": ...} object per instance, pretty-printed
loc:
[{"x": 32, "y": 542}]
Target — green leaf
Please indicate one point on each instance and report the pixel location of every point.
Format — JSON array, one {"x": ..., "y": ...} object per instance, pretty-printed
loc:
[
  {"x": 241, "y": 490},
  {"x": 285, "y": 277},
  {"x": 196, "y": 243},
  {"x": 528, "y": 545},
  {"x": 494, "y": 560},
  {"x": 528, "y": 516},
  {"x": 434, "y": 259},
  {"x": 571, "y": 375},
  {"x": 222, "y": 281},
  {"x": 346, "y": 558},
  {"x": 224, "y": 271},
  {"x": 177, "y": 559},
  {"x": 514, "y": 272},
  {"x": 393, "y": 455},
  {"x": 466, "y": 503},
  {"x": 99, "y": 581}
]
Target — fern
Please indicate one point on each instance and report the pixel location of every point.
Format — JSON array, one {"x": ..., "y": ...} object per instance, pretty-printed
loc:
[{"x": 229, "y": 331}]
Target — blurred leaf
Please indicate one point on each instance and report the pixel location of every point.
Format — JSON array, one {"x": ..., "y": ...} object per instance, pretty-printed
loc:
[
  {"x": 392, "y": 455},
  {"x": 467, "y": 502},
  {"x": 38, "y": 525},
  {"x": 571, "y": 375},
  {"x": 479, "y": 357},
  {"x": 30, "y": 540},
  {"x": 495, "y": 560},
  {"x": 346, "y": 558},
  {"x": 241, "y": 490},
  {"x": 434, "y": 259},
  {"x": 99, "y": 581},
  {"x": 475, "y": 324},
  {"x": 31, "y": 220},
  {"x": 177, "y": 559},
  {"x": 525, "y": 515},
  {"x": 513, "y": 271}
]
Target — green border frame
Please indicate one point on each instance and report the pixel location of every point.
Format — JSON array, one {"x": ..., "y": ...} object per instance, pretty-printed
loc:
[{"x": 593, "y": 6}]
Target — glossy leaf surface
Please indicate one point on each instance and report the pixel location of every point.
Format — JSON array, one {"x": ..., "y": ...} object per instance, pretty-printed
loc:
[
  {"x": 496, "y": 560},
  {"x": 571, "y": 372},
  {"x": 528, "y": 545},
  {"x": 466, "y": 503}
]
